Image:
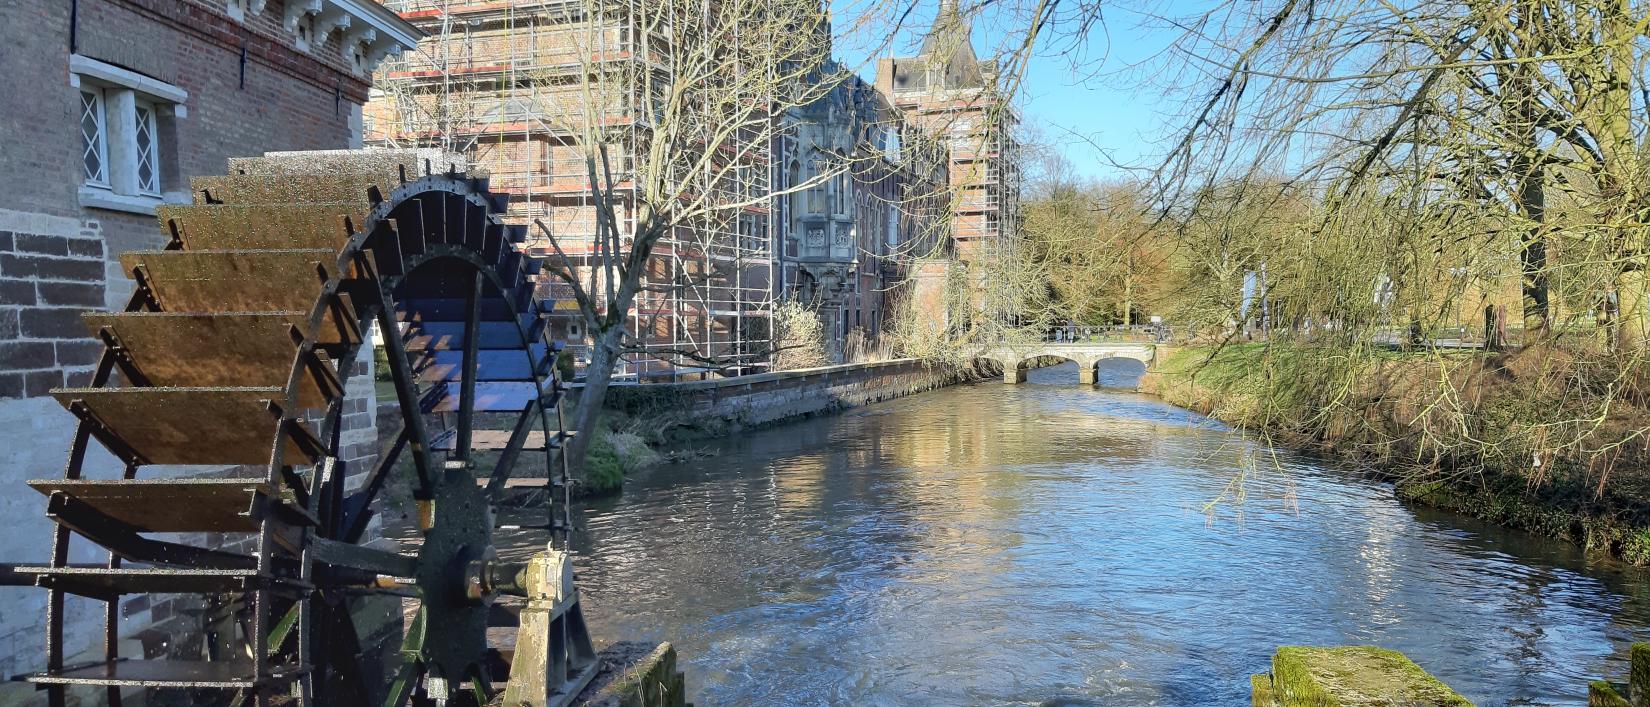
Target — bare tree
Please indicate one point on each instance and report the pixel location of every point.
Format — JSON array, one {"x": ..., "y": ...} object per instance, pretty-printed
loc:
[{"x": 675, "y": 144}]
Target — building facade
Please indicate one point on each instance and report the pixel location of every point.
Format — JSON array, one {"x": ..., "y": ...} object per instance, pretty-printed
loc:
[
  {"x": 865, "y": 196},
  {"x": 510, "y": 84},
  {"x": 107, "y": 108},
  {"x": 949, "y": 93}
]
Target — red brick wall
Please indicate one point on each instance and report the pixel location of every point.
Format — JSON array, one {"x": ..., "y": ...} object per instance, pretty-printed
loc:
[{"x": 58, "y": 259}]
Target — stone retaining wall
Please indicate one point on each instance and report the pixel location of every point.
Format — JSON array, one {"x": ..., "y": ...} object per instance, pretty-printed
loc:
[{"x": 730, "y": 404}]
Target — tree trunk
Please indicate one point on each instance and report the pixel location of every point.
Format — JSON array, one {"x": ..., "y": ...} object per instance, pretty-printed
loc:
[
  {"x": 597, "y": 376},
  {"x": 1528, "y": 170},
  {"x": 1128, "y": 298},
  {"x": 1532, "y": 203},
  {"x": 1633, "y": 303},
  {"x": 1614, "y": 107}
]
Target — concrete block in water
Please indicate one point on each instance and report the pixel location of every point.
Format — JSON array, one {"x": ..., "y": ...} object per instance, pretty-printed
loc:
[
  {"x": 1262, "y": 695},
  {"x": 636, "y": 674},
  {"x": 1636, "y": 693},
  {"x": 1638, "y": 675},
  {"x": 1349, "y": 676},
  {"x": 1601, "y": 693}
]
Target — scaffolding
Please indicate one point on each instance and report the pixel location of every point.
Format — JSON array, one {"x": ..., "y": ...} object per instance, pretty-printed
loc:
[{"x": 512, "y": 86}]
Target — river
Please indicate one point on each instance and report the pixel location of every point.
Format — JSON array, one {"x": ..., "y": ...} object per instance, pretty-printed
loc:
[{"x": 1054, "y": 544}]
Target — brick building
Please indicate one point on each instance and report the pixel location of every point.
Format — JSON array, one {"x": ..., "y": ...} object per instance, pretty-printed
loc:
[
  {"x": 951, "y": 94},
  {"x": 107, "y": 108},
  {"x": 502, "y": 82},
  {"x": 505, "y": 84}
]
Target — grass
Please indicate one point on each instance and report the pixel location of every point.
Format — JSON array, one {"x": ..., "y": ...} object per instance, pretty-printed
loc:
[
  {"x": 1455, "y": 431},
  {"x": 603, "y": 469}
]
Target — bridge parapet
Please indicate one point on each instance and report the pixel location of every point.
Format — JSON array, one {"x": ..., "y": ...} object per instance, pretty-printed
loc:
[{"x": 1086, "y": 354}]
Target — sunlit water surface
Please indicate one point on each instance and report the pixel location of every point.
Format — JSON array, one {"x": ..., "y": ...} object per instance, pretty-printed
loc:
[{"x": 1048, "y": 543}]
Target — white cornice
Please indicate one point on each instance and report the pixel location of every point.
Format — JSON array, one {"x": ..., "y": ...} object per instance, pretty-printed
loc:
[
  {"x": 389, "y": 26},
  {"x": 376, "y": 52},
  {"x": 295, "y": 11},
  {"x": 382, "y": 48},
  {"x": 331, "y": 18},
  {"x": 359, "y": 34}
]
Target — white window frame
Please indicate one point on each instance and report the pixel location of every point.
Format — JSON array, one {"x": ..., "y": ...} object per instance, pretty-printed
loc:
[
  {"x": 125, "y": 95},
  {"x": 145, "y": 118},
  {"x": 101, "y": 136}
]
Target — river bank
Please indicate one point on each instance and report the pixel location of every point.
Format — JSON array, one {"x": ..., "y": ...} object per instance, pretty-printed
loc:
[
  {"x": 644, "y": 424},
  {"x": 1468, "y": 453},
  {"x": 822, "y": 561}
]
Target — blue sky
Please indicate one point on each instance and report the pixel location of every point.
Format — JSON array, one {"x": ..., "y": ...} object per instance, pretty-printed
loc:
[{"x": 1092, "y": 101}]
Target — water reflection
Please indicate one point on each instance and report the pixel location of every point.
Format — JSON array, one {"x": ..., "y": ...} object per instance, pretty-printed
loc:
[{"x": 991, "y": 544}]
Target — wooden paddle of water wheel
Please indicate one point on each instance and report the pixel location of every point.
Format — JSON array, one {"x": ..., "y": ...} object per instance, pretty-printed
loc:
[{"x": 234, "y": 352}]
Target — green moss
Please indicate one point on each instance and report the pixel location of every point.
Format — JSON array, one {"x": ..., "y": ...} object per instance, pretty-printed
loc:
[
  {"x": 603, "y": 469},
  {"x": 564, "y": 364},
  {"x": 1603, "y": 694},
  {"x": 1638, "y": 674},
  {"x": 1260, "y": 692},
  {"x": 1355, "y": 675},
  {"x": 1512, "y": 506},
  {"x": 650, "y": 681},
  {"x": 380, "y": 364}
]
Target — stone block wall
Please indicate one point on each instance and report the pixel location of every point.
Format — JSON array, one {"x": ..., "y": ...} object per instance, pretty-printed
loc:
[
  {"x": 51, "y": 270},
  {"x": 730, "y": 404}
]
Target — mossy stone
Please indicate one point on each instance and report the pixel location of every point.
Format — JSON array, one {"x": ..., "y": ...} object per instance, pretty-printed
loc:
[
  {"x": 1603, "y": 694},
  {"x": 1638, "y": 675},
  {"x": 1260, "y": 694},
  {"x": 1355, "y": 676}
]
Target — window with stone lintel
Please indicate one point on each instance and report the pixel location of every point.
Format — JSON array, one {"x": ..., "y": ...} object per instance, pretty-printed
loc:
[{"x": 126, "y": 120}]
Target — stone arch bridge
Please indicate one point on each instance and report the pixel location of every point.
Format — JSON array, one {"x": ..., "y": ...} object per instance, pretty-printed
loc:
[{"x": 1014, "y": 359}]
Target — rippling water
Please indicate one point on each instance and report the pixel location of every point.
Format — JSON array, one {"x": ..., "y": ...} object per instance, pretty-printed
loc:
[{"x": 1047, "y": 543}]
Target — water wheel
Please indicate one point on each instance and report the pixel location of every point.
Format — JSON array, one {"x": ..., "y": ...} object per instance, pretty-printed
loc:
[{"x": 235, "y": 351}]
